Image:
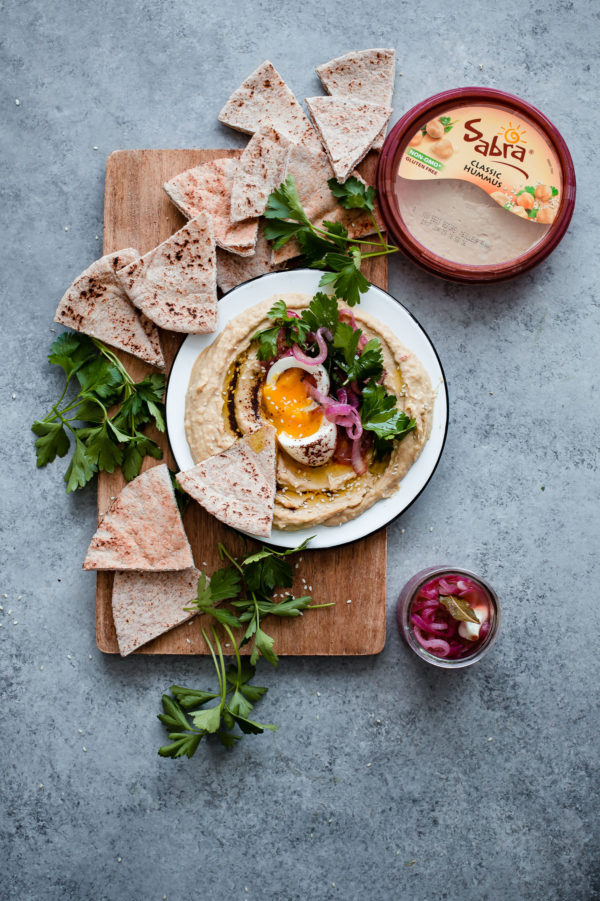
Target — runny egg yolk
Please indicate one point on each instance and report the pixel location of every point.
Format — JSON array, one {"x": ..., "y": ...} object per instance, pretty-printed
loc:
[{"x": 286, "y": 401}]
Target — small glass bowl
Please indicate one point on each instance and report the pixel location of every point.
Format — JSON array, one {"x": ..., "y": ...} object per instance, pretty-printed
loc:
[{"x": 409, "y": 593}]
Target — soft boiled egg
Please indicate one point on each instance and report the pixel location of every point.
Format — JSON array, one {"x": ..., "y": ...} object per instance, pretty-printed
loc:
[{"x": 303, "y": 431}]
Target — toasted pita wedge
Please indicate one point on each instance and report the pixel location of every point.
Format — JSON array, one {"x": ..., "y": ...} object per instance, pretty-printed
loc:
[
  {"x": 142, "y": 528},
  {"x": 207, "y": 188},
  {"x": 362, "y": 75},
  {"x": 347, "y": 129},
  {"x": 175, "y": 284},
  {"x": 265, "y": 99},
  {"x": 146, "y": 605},
  {"x": 238, "y": 485},
  {"x": 97, "y": 305},
  {"x": 260, "y": 170},
  {"x": 233, "y": 270},
  {"x": 311, "y": 172}
]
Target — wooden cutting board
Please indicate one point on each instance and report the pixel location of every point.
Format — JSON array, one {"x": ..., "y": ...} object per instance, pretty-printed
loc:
[{"x": 138, "y": 213}]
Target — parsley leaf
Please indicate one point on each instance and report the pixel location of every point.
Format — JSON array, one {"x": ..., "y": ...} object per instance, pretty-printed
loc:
[
  {"x": 284, "y": 203},
  {"x": 53, "y": 441},
  {"x": 70, "y": 351},
  {"x": 101, "y": 449},
  {"x": 295, "y": 331},
  {"x": 346, "y": 276},
  {"x": 353, "y": 194},
  {"x": 322, "y": 312},
  {"x": 81, "y": 469},
  {"x": 379, "y": 414}
]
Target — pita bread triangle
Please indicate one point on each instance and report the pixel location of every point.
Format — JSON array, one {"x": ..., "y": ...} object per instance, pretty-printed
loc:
[
  {"x": 97, "y": 305},
  {"x": 238, "y": 485},
  {"x": 362, "y": 75},
  {"x": 142, "y": 528},
  {"x": 260, "y": 170},
  {"x": 265, "y": 99},
  {"x": 347, "y": 129},
  {"x": 175, "y": 284},
  {"x": 207, "y": 188},
  {"x": 146, "y": 605}
]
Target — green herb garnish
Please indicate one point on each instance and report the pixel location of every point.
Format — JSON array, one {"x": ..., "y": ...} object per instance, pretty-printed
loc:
[
  {"x": 328, "y": 247},
  {"x": 236, "y": 698},
  {"x": 249, "y": 583},
  {"x": 103, "y": 440}
]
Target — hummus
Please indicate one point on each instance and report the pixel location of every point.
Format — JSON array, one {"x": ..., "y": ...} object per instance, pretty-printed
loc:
[{"x": 224, "y": 401}]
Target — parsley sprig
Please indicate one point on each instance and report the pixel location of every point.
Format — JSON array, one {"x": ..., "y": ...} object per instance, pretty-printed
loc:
[
  {"x": 249, "y": 583},
  {"x": 235, "y": 700},
  {"x": 328, "y": 247},
  {"x": 102, "y": 440}
]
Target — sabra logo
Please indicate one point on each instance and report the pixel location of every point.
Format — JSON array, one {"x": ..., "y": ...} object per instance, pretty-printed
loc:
[{"x": 507, "y": 144}]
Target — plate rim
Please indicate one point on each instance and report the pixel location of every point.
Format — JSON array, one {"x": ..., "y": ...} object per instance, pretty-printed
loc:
[{"x": 444, "y": 382}]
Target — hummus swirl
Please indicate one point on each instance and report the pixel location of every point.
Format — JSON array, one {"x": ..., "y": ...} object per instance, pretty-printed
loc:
[{"x": 223, "y": 401}]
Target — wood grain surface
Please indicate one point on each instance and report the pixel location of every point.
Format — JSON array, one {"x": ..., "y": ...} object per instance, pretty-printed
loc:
[{"x": 138, "y": 213}]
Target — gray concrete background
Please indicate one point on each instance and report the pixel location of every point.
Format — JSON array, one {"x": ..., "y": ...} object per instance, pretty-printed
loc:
[{"x": 387, "y": 779}]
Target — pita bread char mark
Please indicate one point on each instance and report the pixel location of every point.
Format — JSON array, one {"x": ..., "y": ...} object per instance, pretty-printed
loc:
[
  {"x": 347, "y": 129},
  {"x": 207, "y": 188},
  {"x": 362, "y": 75},
  {"x": 265, "y": 99},
  {"x": 260, "y": 170},
  {"x": 233, "y": 270},
  {"x": 146, "y": 605},
  {"x": 97, "y": 305},
  {"x": 142, "y": 529},
  {"x": 175, "y": 283},
  {"x": 311, "y": 172},
  {"x": 238, "y": 485}
]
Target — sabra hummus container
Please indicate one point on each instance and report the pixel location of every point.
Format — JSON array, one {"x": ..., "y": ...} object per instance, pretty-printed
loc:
[{"x": 476, "y": 185}]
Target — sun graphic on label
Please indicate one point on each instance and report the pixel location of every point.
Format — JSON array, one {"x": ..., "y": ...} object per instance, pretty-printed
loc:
[{"x": 513, "y": 134}]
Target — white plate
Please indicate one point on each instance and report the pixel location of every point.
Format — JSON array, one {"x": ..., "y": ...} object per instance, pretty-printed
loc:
[{"x": 380, "y": 304}]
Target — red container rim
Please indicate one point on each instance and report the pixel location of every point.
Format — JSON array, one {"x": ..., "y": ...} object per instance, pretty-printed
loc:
[{"x": 425, "y": 258}]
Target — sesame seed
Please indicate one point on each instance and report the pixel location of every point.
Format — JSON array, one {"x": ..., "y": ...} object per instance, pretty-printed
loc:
[
  {"x": 41, "y": 667},
  {"x": 349, "y": 601},
  {"x": 14, "y": 396},
  {"x": 66, "y": 228},
  {"x": 84, "y": 749},
  {"x": 119, "y": 859},
  {"x": 69, "y": 657},
  {"x": 16, "y": 622},
  {"x": 368, "y": 764},
  {"x": 20, "y": 598},
  {"x": 17, "y": 101},
  {"x": 95, "y": 148},
  {"x": 89, "y": 656},
  {"x": 41, "y": 785},
  {"x": 80, "y": 731},
  {"x": 318, "y": 694}
]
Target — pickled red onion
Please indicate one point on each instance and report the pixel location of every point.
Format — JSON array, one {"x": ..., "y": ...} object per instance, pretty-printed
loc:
[
  {"x": 321, "y": 356},
  {"x": 437, "y": 646}
]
